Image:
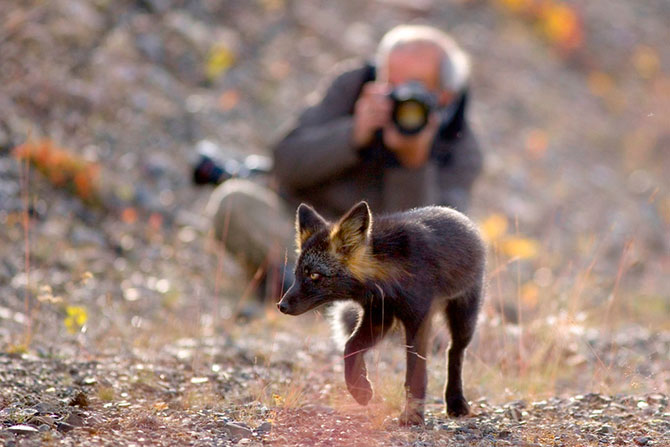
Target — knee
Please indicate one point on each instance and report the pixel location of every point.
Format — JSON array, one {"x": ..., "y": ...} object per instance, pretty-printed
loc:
[
  {"x": 224, "y": 196},
  {"x": 226, "y": 204},
  {"x": 250, "y": 220}
]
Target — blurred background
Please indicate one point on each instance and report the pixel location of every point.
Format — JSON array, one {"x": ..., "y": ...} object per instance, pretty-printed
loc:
[{"x": 103, "y": 240}]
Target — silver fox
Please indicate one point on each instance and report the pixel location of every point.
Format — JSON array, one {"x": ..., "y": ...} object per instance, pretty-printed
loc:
[{"x": 403, "y": 267}]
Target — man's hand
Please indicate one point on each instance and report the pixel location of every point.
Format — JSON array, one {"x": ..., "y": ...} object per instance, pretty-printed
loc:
[
  {"x": 412, "y": 150},
  {"x": 372, "y": 111}
]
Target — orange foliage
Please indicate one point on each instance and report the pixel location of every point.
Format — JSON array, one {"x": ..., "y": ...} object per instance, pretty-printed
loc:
[
  {"x": 62, "y": 168},
  {"x": 229, "y": 99},
  {"x": 129, "y": 215},
  {"x": 558, "y": 22}
]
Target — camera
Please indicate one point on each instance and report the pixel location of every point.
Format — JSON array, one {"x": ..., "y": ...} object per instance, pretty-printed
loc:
[
  {"x": 211, "y": 167},
  {"x": 412, "y": 104}
]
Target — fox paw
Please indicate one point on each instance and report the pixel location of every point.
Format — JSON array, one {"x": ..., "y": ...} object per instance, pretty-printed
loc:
[
  {"x": 362, "y": 391},
  {"x": 457, "y": 406},
  {"x": 410, "y": 417}
]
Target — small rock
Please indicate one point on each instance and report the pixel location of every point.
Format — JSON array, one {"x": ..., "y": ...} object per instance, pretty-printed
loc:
[
  {"x": 88, "y": 380},
  {"x": 237, "y": 431},
  {"x": 42, "y": 421},
  {"x": 514, "y": 414},
  {"x": 605, "y": 430},
  {"x": 518, "y": 404},
  {"x": 64, "y": 427},
  {"x": 657, "y": 399},
  {"x": 22, "y": 429},
  {"x": 264, "y": 428},
  {"x": 75, "y": 420},
  {"x": 46, "y": 408},
  {"x": 504, "y": 434},
  {"x": 641, "y": 440}
]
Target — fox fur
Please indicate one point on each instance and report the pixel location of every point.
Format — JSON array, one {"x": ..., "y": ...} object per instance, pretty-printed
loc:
[
  {"x": 401, "y": 268},
  {"x": 343, "y": 317}
]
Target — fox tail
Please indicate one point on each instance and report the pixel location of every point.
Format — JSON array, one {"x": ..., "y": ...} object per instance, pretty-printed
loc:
[{"x": 344, "y": 318}]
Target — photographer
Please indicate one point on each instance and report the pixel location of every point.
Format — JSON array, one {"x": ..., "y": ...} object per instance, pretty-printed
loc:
[{"x": 393, "y": 133}]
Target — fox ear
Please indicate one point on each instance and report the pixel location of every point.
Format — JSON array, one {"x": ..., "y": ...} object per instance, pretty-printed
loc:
[
  {"x": 307, "y": 222},
  {"x": 353, "y": 229}
]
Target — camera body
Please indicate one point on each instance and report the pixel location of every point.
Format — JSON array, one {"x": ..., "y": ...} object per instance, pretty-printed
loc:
[{"x": 412, "y": 105}]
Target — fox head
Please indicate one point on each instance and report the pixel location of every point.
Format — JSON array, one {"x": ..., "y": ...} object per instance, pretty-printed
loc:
[{"x": 334, "y": 259}]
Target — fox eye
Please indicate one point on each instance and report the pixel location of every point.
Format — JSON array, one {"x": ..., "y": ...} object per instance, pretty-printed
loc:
[{"x": 314, "y": 276}]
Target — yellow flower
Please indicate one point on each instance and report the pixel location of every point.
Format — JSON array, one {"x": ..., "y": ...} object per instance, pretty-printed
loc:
[
  {"x": 219, "y": 61},
  {"x": 559, "y": 22},
  {"x": 494, "y": 227},
  {"x": 279, "y": 401},
  {"x": 530, "y": 294},
  {"x": 76, "y": 318},
  {"x": 520, "y": 247}
]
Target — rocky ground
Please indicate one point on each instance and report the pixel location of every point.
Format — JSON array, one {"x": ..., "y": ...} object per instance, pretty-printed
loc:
[
  {"x": 227, "y": 391},
  {"x": 121, "y": 322}
]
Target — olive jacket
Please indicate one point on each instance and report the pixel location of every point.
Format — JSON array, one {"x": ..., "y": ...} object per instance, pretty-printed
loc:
[{"x": 317, "y": 163}]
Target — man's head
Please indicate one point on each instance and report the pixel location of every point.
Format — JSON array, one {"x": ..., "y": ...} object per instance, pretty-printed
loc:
[
  {"x": 425, "y": 54},
  {"x": 421, "y": 73}
]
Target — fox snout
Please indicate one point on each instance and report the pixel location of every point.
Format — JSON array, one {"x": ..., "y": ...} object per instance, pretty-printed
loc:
[
  {"x": 296, "y": 302},
  {"x": 283, "y": 306},
  {"x": 287, "y": 304}
]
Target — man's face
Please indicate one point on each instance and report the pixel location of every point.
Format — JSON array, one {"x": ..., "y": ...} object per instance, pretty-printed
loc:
[{"x": 420, "y": 62}]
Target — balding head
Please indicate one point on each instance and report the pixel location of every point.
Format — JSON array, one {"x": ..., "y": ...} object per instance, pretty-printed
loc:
[{"x": 427, "y": 48}]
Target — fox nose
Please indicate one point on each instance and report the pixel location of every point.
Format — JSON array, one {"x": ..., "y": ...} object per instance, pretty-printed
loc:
[{"x": 283, "y": 307}]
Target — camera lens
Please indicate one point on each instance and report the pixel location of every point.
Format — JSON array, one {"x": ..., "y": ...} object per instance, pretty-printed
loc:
[
  {"x": 412, "y": 104},
  {"x": 411, "y": 116},
  {"x": 212, "y": 166}
]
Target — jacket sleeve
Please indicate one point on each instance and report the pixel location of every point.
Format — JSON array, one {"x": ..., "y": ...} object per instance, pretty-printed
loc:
[
  {"x": 319, "y": 146},
  {"x": 457, "y": 177}
]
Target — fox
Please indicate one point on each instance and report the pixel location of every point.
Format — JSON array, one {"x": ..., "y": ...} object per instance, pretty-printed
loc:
[{"x": 399, "y": 268}]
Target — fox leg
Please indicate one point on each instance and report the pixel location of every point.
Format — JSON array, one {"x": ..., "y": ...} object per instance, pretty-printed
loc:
[
  {"x": 461, "y": 315},
  {"x": 373, "y": 326},
  {"x": 416, "y": 377}
]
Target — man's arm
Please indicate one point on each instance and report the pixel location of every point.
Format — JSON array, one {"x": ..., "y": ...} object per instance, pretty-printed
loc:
[{"x": 320, "y": 145}]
